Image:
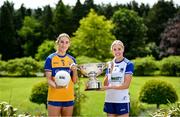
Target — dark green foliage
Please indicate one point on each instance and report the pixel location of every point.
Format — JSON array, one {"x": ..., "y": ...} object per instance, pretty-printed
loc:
[
  {"x": 156, "y": 21},
  {"x": 130, "y": 29},
  {"x": 77, "y": 14},
  {"x": 26, "y": 66},
  {"x": 62, "y": 19},
  {"x": 157, "y": 17},
  {"x": 145, "y": 66},
  {"x": 170, "y": 66},
  {"x": 79, "y": 98},
  {"x": 39, "y": 93},
  {"x": 7, "y": 32},
  {"x": 158, "y": 92},
  {"x": 47, "y": 23},
  {"x": 30, "y": 32}
]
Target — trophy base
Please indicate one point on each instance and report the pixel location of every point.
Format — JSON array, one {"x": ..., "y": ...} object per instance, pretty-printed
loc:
[{"x": 93, "y": 85}]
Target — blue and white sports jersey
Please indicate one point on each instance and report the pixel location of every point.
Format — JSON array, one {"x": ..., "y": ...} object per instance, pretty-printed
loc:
[{"x": 116, "y": 79}]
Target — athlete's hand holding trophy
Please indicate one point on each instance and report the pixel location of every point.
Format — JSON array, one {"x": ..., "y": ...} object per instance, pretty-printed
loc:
[{"x": 92, "y": 70}]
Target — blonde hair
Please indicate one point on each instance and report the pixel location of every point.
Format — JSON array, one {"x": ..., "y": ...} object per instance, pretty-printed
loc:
[
  {"x": 62, "y": 35},
  {"x": 117, "y": 42}
]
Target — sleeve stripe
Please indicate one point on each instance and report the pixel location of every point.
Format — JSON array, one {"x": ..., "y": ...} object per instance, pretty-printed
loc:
[
  {"x": 128, "y": 73},
  {"x": 47, "y": 69}
]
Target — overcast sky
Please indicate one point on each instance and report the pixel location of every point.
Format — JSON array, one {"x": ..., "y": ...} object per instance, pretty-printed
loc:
[{"x": 40, "y": 3}]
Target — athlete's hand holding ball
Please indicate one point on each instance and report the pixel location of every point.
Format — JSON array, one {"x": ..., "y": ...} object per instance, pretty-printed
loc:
[{"x": 62, "y": 79}]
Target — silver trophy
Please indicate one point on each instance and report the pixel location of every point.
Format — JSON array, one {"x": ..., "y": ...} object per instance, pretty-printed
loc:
[{"x": 92, "y": 70}]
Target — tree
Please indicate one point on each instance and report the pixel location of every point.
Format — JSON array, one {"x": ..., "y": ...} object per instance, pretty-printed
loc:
[
  {"x": 77, "y": 14},
  {"x": 45, "y": 49},
  {"x": 130, "y": 29},
  {"x": 47, "y": 23},
  {"x": 157, "y": 17},
  {"x": 7, "y": 32},
  {"x": 106, "y": 9},
  {"x": 62, "y": 19},
  {"x": 93, "y": 38},
  {"x": 158, "y": 92},
  {"x": 88, "y": 4},
  {"x": 170, "y": 38},
  {"x": 31, "y": 33}
]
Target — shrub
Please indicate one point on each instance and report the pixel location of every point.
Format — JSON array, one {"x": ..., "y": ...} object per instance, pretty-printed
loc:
[
  {"x": 135, "y": 108},
  {"x": 3, "y": 67},
  {"x": 40, "y": 90},
  {"x": 172, "y": 111},
  {"x": 39, "y": 93},
  {"x": 79, "y": 98},
  {"x": 45, "y": 49},
  {"x": 7, "y": 110},
  {"x": 170, "y": 66},
  {"x": 145, "y": 66},
  {"x": 158, "y": 92},
  {"x": 26, "y": 66}
]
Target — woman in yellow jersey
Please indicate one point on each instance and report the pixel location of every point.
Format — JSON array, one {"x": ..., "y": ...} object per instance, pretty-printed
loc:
[{"x": 60, "y": 99}]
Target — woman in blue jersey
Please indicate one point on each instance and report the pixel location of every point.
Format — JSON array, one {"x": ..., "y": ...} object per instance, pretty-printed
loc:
[
  {"x": 60, "y": 99},
  {"x": 116, "y": 83}
]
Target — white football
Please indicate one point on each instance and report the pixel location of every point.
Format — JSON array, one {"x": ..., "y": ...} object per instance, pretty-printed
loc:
[{"x": 62, "y": 78}]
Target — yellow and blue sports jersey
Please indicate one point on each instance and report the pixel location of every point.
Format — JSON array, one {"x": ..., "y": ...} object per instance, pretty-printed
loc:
[{"x": 55, "y": 63}]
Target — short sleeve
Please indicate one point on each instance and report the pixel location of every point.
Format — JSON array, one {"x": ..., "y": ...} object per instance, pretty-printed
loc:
[
  {"x": 129, "y": 68},
  {"x": 47, "y": 65}
]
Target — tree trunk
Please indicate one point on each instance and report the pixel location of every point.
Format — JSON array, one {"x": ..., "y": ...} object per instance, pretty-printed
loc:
[{"x": 158, "y": 105}]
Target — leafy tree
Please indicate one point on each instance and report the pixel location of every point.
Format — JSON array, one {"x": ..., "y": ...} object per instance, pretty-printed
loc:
[
  {"x": 31, "y": 33},
  {"x": 37, "y": 14},
  {"x": 130, "y": 29},
  {"x": 105, "y": 9},
  {"x": 93, "y": 38},
  {"x": 88, "y": 4},
  {"x": 158, "y": 92},
  {"x": 45, "y": 49},
  {"x": 19, "y": 17},
  {"x": 47, "y": 23},
  {"x": 77, "y": 14},
  {"x": 7, "y": 32},
  {"x": 170, "y": 38},
  {"x": 62, "y": 19},
  {"x": 157, "y": 17}
]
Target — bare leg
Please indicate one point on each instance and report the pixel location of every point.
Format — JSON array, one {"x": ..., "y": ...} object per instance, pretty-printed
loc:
[
  {"x": 67, "y": 111},
  {"x": 124, "y": 115},
  {"x": 54, "y": 111},
  {"x": 111, "y": 115},
  {"x": 115, "y": 115}
]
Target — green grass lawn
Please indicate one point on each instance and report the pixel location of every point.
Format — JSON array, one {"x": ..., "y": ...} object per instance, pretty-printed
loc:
[{"x": 16, "y": 91}]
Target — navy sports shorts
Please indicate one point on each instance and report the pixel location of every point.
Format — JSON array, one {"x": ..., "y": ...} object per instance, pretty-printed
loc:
[
  {"x": 60, "y": 103},
  {"x": 117, "y": 108}
]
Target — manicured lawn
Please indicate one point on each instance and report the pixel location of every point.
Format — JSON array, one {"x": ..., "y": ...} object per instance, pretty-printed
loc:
[{"x": 16, "y": 91}]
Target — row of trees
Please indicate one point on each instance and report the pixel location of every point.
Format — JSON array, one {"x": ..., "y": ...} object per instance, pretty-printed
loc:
[{"x": 144, "y": 30}]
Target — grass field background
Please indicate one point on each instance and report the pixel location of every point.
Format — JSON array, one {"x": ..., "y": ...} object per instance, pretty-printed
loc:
[{"x": 16, "y": 91}]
